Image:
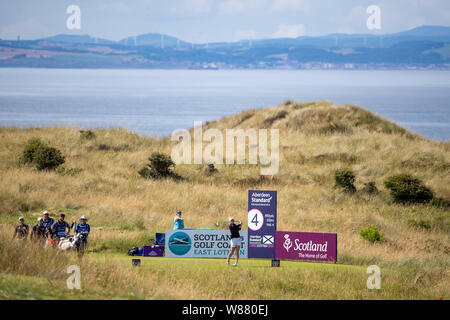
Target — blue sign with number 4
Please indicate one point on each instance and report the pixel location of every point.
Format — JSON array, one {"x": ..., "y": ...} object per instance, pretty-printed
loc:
[{"x": 262, "y": 223}]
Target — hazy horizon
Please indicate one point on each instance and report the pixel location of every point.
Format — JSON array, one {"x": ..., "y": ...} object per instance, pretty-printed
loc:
[
  {"x": 170, "y": 35},
  {"x": 201, "y": 21}
]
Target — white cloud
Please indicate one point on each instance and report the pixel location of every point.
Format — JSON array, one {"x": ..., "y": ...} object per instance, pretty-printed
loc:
[
  {"x": 240, "y": 6},
  {"x": 116, "y": 7},
  {"x": 283, "y": 5},
  {"x": 289, "y": 31},
  {"x": 192, "y": 7},
  {"x": 231, "y": 6}
]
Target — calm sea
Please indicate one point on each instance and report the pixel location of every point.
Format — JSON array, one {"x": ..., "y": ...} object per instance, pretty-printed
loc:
[{"x": 155, "y": 102}]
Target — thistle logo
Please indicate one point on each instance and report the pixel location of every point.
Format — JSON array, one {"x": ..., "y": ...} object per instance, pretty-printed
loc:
[
  {"x": 180, "y": 243},
  {"x": 287, "y": 242}
]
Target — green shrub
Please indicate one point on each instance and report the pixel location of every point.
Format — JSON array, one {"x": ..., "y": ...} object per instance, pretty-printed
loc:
[
  {"x": 62, "y": 170},
  {"x": 118, "y": 148},
  {"x": 104, "y": 147},
  {"x": 423, "y": 224},
  {"x": 48, "y": 158},
  {"x": 370, "y": 188},
  {"x": 146, "y": 173},
  {"x": 440, "y": 203},
  {"x": 407, "y": 189},
  {"x": 160, "y": 166},
  {"x": 345, "y": 179},
  {"x": 30, "y": 150},
  {"x": 87, "y": 134},
  {"x": 371, "y": 234},
  {"x": 210, "y": 169}
]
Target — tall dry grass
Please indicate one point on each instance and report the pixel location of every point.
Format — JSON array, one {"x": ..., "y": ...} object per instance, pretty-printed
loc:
[{"x": 315, "y": 140}]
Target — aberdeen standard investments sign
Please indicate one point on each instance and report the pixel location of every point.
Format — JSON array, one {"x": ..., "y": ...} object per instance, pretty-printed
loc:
[{"x": 262, "y": 223}]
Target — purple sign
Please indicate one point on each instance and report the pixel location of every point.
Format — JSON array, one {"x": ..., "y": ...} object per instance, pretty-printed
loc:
[
  {"x": 152, "y": 251},
  {"x": 306, "y": 246},
  {"x": 262, "y": 223}
]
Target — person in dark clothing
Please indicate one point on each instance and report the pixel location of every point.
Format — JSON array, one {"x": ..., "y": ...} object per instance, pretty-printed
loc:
[
  {"x": 21, "y": 230},
  {"x": 82, "y": 228},
  {"x": 235, "y": 241},
  {"x": 38, "y": 233},
  {"x": 60, "y": 227},
  {"x": 47, "y": 222}
]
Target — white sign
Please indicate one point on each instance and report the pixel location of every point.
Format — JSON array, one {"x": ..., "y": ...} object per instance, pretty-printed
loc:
[
  {"x": 202, "y": 244},
  {"x": 255, "y": 219}
]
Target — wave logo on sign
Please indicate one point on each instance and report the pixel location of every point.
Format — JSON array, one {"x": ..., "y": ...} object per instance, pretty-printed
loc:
[
  {"x": 180, "y": 243},
  {"x": 287, "y": 242}
]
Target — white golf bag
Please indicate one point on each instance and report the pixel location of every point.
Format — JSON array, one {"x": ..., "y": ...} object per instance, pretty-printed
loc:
[{"x": 71, "y": 242}]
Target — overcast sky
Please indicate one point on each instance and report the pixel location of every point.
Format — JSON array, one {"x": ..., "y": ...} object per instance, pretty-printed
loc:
[{"x": 215, "y": 20}]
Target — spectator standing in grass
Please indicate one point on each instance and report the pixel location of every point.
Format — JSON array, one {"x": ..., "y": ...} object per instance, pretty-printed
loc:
[
  {"x": 47, "y": 221},
  {"x": 60, "y": 227},
  {"x": 82, "y": 228},
  {"x": 38, "y": 233},
  {"x": 21, "y": 230},
  {"x": 178, "y": 222}
]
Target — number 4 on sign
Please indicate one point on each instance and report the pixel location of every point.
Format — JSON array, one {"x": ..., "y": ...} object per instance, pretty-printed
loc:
[{"x": 256, "y": 219}]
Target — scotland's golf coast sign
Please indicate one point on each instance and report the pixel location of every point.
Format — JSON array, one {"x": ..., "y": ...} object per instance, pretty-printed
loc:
[
  {"x": 201, "y": 243},
  {"x": 306, "y": 246},
  {"x": 262, "y": 223}
]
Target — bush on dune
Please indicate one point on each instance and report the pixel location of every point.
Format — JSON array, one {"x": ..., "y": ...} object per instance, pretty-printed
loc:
[
  {"x": 407, "y": 189},
  {"x": 48, "y": 158},
  {"x": 371, "y": 234},
  {"x": 160, "y": 166},
  {"x": 43, "y": 156},
  {"x": 345, "y": 179},
  {"x": 28, "y": 154}
]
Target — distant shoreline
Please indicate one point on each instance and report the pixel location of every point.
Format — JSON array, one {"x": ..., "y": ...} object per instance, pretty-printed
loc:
[{"x": 158, "y": 101}]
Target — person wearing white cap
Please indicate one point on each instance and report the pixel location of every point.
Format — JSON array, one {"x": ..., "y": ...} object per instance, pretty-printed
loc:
[
  {"x": 47, "y": 221},
  {"x": 82, "y": 228},
  {"x": 38, "y": 231},
  {"x": 21, "y": 230},
  {"x": 235, "y": 241}
]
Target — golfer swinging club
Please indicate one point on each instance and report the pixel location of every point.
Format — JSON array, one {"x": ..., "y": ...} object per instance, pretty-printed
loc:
[{"x": 235, "y": 241}]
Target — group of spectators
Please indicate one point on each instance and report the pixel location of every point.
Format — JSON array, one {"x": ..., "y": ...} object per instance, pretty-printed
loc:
[{"x": 47, "y": 228}]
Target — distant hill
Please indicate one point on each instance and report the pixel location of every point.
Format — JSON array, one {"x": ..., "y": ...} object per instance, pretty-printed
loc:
[
  {"x": 426, "y": 47},
  {"x": 77, "y": 39},
  {"x": 427, "y": 31},
  {"x": 154, "y": 40}
]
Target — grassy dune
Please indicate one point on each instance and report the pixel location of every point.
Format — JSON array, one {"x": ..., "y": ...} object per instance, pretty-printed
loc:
[{"x": 100, "y": 180}]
